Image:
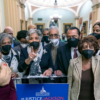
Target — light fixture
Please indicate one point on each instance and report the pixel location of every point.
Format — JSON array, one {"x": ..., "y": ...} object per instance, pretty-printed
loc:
[{"x": 56, "y": 14}]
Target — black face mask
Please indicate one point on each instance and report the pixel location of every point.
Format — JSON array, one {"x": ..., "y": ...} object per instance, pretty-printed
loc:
[
  {"x": 35, "y": 45},
  {"x": 97, "y": 36},
  {"x": 46, "y": 39},
  {"x": 87, "y": 53},
  {"x": 73, "y": 42},
  {"x": 6, "y": 49},
  {"x": 63, "y": 37}
]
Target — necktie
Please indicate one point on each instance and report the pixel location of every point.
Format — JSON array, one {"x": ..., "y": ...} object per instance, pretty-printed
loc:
[{"x": 75, "y": 53}]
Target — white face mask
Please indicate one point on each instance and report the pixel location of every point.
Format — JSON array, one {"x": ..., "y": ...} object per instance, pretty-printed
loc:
[
  {"x": 24, "y": 45},
  {"x": 54, "y": 42}
]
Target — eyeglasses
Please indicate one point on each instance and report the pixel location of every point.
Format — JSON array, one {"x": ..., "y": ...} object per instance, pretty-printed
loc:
[{"x": 53, "y": 35}]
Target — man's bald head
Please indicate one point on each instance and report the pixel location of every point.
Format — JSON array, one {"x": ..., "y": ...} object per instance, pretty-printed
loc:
[
  {"x": 9, "y": 31},
  {"x": 31, "y": 27}
]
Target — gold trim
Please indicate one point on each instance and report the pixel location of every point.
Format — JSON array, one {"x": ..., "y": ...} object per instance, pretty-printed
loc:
[
  {"x": 85, "y": 34},
  {"x": 40, "y": 24},
  {"x": 66, "y": 24}
]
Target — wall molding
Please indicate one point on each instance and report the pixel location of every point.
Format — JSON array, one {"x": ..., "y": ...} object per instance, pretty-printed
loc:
[{"x": 96, "y": 6}]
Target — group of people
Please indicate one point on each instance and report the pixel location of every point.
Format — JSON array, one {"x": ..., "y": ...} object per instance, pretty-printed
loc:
[{"x": 35, "y": 53}]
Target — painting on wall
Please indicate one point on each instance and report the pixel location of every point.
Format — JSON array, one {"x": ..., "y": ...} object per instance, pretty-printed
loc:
[
  {"x": 40, "y": 26},
  {"x": 66, "y": 26},
  {"x": 85, "y": 25}
]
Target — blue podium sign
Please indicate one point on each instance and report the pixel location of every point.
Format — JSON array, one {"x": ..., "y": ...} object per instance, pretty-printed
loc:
[{"x": 42, "y": 91}]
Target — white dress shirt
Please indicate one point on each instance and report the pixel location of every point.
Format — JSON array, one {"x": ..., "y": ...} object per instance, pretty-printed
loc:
[{"x": 72, "y": 52}]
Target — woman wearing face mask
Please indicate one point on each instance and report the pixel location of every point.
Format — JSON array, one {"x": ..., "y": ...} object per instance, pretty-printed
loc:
[
  {"x": 84, "y": 72},
  {"x": 35, "y": 60},
  {"x": 96, "y": 34},
  {"x": 96, "y": 31},
  {"x": 21, "y": 36},
  {"x": 8, "y": 55}
]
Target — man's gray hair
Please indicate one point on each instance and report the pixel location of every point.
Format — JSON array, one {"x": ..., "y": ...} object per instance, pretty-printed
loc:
[
  {"x": 32, "y": 31},
  {"x": 53, "y": 27},
  {"x": 3, "y": 36}
]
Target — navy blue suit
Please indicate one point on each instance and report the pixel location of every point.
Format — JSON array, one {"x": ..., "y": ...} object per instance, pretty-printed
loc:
[
  {"x": 58, "y": 80},
  {"x": 49, "y": 47},
  {"x": 46, "y": 61},
  {"x": 43, "y": 42},
  {"x": 63, "y": 59}
]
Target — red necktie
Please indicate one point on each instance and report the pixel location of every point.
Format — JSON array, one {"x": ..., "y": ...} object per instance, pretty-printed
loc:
[{"x": 75, "y": 53}]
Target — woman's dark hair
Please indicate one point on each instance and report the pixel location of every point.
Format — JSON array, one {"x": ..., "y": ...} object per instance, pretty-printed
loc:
[
  {"x": 21, "y": 34},
  {"x": 98, "y": 23},
  {"x": 91, "y": 40}
]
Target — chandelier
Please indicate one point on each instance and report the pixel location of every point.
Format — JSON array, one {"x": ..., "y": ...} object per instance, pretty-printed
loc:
[{"x": 56, "y": 14}]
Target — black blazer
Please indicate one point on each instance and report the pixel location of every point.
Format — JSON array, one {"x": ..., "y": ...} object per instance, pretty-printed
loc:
[
  {"x": 63, "y": 59},
  {"x": 49, "y": 47},
  {"x": 46, "y": 61},
  {"x": 16, "y": 43}
]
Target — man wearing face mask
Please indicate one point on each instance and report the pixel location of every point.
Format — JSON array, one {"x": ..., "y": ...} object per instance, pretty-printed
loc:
[
  {"x": 21, "y": 36},
  {"x": 45, "y": 39},
  {"x": 63, "y": 38},
  {"x": 54, "y": 44},
  {"x": 68, "y": 51}
]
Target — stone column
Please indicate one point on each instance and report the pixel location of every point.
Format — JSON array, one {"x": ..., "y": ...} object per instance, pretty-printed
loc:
[
  {"x": 77, "y": 22},
  {"x": 30, "y": 21},
  {"x": 95, "y": 13},
  {"x": 14, "y": 12}
]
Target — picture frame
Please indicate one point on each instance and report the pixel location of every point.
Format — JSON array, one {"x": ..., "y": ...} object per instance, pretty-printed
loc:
[
  {"x": 66, "y": 26},
  {"x": 85, "y": 24},
  {"x": 40, "y": 26}
]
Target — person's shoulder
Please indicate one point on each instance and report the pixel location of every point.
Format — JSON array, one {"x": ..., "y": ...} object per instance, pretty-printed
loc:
[
  {"x": 61, "y": 43},
  {"x": 24, "y": 49},
  {"x": 16, "y": 47},
  {"x": 47, "y": 46},
  {"x": 65, "y": 46},
  {"x": 76, "y": 60},
  {"x": 97, "y": 57},
  {"x": 16, "y": 43}
]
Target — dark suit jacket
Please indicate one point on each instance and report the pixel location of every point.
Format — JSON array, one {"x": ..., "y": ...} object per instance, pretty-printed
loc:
[
  {"x": 63, "y": 59},
  {"x": 46, "y": 61},
  {"x": 16, "y": 43},
  {"x": 49, "y": 47}
]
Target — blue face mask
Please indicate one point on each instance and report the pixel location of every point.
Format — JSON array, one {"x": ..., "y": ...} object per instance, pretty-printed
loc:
[
  {"x": 46, "y": 39},
  {"x": 87, "y": 53}
]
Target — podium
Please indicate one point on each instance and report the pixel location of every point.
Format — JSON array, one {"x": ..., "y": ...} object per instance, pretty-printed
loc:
[{"x": 43, "y": 91}]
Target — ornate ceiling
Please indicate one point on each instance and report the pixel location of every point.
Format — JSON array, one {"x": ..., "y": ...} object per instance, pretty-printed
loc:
[{"x": 50, "y": 3}]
